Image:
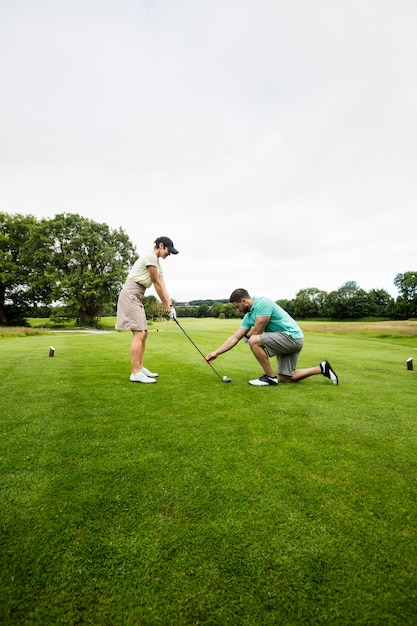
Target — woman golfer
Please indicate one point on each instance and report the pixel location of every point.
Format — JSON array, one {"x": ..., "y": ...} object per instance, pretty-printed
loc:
[{"x": 145, "y": 272}]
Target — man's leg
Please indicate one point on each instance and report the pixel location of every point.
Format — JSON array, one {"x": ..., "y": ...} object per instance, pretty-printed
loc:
[
  {"x": 137, "y": 349},
  {"x": 300, "y": 374},
  {"x": 259, "y": 353}
]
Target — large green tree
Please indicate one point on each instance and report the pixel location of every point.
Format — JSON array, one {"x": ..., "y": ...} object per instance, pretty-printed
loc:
[
  {"x": 79, "y": 263},
  {"x": 348, "y": 302},
  {"x": 15, "y": 295},
  {"x": 407, "y": 287},
  {"x": 309, "y": 303},
  {"x": 381, "y": 304}
]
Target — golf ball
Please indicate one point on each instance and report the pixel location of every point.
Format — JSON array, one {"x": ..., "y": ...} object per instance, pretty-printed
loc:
[{"x": 225, "y": 379}]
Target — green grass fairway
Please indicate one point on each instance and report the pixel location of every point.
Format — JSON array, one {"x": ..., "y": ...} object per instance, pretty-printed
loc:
[{"x": 192, "y": 501}]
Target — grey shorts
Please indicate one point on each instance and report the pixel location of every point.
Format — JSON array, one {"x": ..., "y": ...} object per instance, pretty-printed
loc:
[
  {"x": 285, "y": 348},
  {"x": 130, "y": 311}
]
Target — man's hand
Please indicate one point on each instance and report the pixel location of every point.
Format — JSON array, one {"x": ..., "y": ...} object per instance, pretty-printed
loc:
[
  {"x": 172, "y": 313},
  {"x": 210, "y": 357}
]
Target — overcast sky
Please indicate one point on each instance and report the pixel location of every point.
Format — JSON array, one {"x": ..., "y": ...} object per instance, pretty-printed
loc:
[{"x": 274, "y": 141}]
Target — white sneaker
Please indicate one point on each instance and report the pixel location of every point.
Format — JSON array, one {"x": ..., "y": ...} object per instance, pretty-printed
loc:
[
  {"x": 328, "y": 371},
  {"x": 145, "y": 371},
  {"x": 140, "y": 377},
  {"x": 264, "y": 381}
]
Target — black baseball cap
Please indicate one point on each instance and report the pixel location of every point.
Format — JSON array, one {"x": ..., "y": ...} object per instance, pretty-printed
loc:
[{"x": 168, "y": 243}]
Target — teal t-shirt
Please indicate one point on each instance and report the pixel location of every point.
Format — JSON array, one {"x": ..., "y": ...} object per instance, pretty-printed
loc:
[{"x": 279, "y": 320}]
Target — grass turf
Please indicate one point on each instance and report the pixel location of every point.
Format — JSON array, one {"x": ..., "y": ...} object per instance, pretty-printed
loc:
[{"x": 192, "y": 501}]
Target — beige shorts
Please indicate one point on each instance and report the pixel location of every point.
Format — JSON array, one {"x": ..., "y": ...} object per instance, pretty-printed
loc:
[{"x": 130, "y": 311}]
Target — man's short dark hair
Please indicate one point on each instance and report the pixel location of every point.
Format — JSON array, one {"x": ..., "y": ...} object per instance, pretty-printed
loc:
[{"x": 238, "y": 295}]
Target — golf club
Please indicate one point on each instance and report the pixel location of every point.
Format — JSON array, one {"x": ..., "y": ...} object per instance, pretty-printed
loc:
[{"x": 224, "y": 379}]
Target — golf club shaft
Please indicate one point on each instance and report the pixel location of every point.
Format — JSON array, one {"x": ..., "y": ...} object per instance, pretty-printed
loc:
[{"x": 197, "y": 348}]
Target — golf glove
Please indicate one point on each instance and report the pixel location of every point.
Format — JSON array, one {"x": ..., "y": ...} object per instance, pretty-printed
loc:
[{"x": 172, "y": 314}]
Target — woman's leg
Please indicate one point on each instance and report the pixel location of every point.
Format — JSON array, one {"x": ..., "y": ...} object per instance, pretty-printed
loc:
[{"x": 137, "y": 349}]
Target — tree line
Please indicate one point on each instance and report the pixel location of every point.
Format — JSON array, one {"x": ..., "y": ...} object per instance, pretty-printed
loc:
[
  {"x": 346, "y": 303},
  {"x": 73, "y": 267}
]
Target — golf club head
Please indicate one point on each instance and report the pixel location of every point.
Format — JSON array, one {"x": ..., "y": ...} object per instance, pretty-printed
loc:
[{"x": 225, "y": 379}]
